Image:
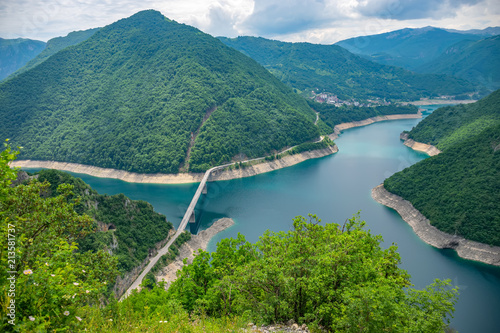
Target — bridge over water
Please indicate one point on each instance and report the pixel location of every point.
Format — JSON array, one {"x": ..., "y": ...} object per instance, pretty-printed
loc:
[{"x": 188, "y": 217}]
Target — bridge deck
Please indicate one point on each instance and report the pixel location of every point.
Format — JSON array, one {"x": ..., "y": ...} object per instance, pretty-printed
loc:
[
  {"x": 180, "y": 230},
  {"x": 185, "y": 221}
]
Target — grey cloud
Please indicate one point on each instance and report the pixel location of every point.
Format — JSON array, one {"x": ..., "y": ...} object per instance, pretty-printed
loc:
[
  {"x": 412, "y": 9},
  {"x": 271, "y": 17}
]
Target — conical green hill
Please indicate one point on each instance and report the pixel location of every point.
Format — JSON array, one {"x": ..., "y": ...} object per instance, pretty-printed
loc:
[{"x": 144, "y": 93}]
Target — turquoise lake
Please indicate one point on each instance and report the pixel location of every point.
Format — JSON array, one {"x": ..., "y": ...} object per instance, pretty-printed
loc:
[{"x": 334, "y": 188}]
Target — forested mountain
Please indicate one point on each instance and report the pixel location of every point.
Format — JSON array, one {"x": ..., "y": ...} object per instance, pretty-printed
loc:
[
  {"x": 333, "y": 69},
  {"x": 477, "y": 61},
  {"x": 126, "y": 228},
  {"x": 452, "y": 124},
  {"x": 141, "y": 93},
  {"x": 407, "y": 48},
  {"x": 15, "y": 53},
  {"x": 459, "y": 189},
  {"x": 55, "y": 45}
]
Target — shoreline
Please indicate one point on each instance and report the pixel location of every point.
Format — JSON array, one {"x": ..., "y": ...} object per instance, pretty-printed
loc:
[
  {"x": 465, "y": 249},
  {"x": 419, "y": 146},
  {"x": 338, "y": 129},
  {"x": 186, "y": 178},
  {"x": 180, "y": 178},
  {"x": 441, "y": 102},
  {"x": 168, "y": 273}
]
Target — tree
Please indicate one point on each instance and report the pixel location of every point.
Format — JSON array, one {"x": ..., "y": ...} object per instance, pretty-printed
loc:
[
  {"x": 52, "y": 280},
  {"x": 334, "y": 276}
]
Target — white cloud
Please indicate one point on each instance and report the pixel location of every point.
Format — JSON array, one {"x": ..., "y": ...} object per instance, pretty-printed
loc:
[
  {"x": 319, "y": 21},
  {"x": 222, "y": 17}
]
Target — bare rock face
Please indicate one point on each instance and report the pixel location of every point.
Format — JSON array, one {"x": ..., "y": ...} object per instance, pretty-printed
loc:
[
  {"x": 21, "y": 177},
  {"x": 431, "y": 235}
]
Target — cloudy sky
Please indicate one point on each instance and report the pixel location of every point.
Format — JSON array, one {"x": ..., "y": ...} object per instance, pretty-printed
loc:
[{"x": 315, "y": 21}]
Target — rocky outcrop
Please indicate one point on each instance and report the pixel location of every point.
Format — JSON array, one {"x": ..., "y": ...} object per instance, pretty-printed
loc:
[
  {"x": 418, "y": 146},
  {"x": 22, "y": 176},
  {"x": 431, "y": 235},
  {"x": 187, "y": 250}
]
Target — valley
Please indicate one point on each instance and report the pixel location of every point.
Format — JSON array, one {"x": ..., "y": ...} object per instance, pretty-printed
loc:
[{"x": 158, "y": 176}]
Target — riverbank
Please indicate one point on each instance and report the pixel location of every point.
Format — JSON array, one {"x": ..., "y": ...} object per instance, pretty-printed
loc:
[
  {"x": 441, "y": 101},
  {"x": 180, "y": 178},
  {"x": 418, "y": 146},
  {"x": 187, "y": 250},
  {"x": 225, "y": 174},
  {"x": 337, "y": 130},
  {"x": 431, "y": 235}
]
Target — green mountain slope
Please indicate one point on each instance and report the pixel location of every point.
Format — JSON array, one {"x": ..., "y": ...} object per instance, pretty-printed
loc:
[
  {"x": 475, "y": 61},
  {"x": 15, "y": 53},
  {"x": 407, "y": 48},
  {"x": 55, "y": 45},
  {"x": 459, "y": 189},
  {"x": 453, "y": 124},
  {"x": 128, "y": 229},
  {"x": 331, "y": 68},
  {"x": 142, "y": 93}
]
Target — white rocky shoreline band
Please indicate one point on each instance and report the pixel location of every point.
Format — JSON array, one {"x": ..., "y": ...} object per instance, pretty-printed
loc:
[
  {"x": 431, "y": 235},
  {"x": 190, "y": 177},
  {"x": 419, "y": 146}
]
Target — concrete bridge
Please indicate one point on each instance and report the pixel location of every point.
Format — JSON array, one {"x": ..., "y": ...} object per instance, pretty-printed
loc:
[{"x": 189, "y": 216}]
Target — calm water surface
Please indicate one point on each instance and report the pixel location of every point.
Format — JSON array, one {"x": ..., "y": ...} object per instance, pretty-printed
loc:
[{"x": 334, "y": 188}]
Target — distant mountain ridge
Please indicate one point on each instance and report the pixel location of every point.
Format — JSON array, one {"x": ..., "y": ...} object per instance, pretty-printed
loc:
[
  {"x": 147, "y": 94},
  {"x": 487, "y": 32},
  {"x": 409, "y": 48},
  {"x": 15, "y": 53},
  {"x": 56, "y": 44},
  {"x": 476, "y": 61},
  {"x": 334, "y": 69}
]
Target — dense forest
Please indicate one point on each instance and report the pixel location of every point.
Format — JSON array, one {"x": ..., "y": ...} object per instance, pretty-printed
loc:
[
  {"x": 139, "y": 93},
  {"x": 55, "y": 45},
  {"x": 453, "y": 124},
  {"x": 459, "y": 189},
  {"x": 296, "y": 275},
  {"x": 128, "y": 229},
  {"x": 331, "y": 68}
]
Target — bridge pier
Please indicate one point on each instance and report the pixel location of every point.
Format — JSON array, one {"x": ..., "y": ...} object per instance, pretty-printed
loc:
[
  {"x": 192, "y": 218},
  {"x": 204, "y": 190}
]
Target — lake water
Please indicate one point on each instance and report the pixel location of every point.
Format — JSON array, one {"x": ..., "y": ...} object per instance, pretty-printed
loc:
[{"x": 334, "y": 188}]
